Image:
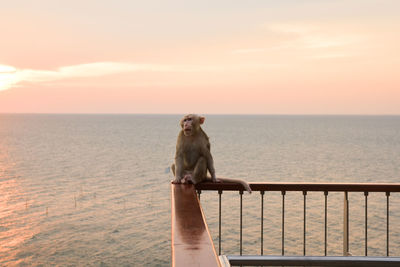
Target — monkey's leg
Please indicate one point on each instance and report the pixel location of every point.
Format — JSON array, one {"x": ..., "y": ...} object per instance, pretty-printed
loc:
[
  {"x": 200, "y": 171},
  {"x": 173, "y": 168},
  {"x": 177, "y": 169}
]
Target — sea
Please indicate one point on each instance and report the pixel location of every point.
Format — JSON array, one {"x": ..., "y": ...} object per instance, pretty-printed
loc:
[{"x": 94, "y": 190}]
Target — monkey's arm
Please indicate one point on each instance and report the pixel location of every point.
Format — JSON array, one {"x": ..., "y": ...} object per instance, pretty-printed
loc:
[{"x": 210, "y": 165}]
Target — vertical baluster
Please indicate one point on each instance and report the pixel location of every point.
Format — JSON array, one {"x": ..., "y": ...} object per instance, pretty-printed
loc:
[
  {"x": 387, "y": 223},
  {"x": 304, "y": 223},
  {"x": 346, "y": 224},
  {"x": 241, "y": 220},
  {"x": 219, "y": 221},
  {"x": 283, "y": 222},
  {"x": 262, "y": 222},
  {"x": 326, "y": 221},
  {"x": 366, "y": 223}
]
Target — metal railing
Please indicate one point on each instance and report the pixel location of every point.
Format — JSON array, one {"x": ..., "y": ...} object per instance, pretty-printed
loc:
[{"x": 325, "y": 188}]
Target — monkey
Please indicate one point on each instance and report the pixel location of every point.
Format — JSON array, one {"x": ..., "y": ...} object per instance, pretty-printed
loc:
[{"x": 193, "y": 156}]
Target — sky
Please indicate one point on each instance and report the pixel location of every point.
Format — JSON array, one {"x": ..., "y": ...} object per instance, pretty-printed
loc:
[{"x": 206, "y": 57}]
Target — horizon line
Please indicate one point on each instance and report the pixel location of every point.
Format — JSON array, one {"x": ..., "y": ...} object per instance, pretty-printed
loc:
[{"x": 208, "y": 114}]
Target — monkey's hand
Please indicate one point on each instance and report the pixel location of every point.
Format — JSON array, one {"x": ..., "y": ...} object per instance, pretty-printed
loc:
[
  {"x": 215, "y": 180},
  {"x": 187, "y": 179}
]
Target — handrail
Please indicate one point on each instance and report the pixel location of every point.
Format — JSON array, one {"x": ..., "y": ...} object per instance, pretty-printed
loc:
[
  {"x": 272, "y": 186},
  {"x": 191, "y": 241}
]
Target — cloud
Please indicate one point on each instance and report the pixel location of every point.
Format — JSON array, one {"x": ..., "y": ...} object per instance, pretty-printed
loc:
[
  {"x": 307, "y": 37},
  {"x": 12, "y": 77},
  {"x": 330, "y": 56},
  {"x": 325, "y": 36},
  {"x": 248, "y": 50},
  {"x": 291, "y": 28},
  {"x": 7, "y": 76},
  {"x": 6, "y": 69},
  {"x": 320, "y": 41}
]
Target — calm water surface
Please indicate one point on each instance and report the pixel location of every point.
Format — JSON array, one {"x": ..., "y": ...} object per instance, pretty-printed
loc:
[{"x": 93, "y": 189}]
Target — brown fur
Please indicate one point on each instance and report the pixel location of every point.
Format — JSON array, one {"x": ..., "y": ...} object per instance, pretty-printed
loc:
[{"x": 193, "y": 156}]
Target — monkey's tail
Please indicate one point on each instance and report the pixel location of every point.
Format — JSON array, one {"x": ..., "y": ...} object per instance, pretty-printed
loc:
[{"x": 244, "y": 183}]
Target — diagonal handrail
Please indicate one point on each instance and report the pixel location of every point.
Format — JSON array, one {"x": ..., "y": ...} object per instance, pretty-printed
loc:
[{"x": 191, "y": 241}]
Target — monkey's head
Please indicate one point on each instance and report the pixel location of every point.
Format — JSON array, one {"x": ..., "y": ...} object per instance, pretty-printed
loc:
[{"x": 191, "y": 124}]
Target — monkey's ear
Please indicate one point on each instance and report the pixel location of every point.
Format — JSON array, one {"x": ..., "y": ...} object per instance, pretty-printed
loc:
[{"x": 202, "y": 119}]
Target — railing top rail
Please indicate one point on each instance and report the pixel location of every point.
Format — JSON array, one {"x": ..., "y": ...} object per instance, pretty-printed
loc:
[{"x": 292, "y": 186}]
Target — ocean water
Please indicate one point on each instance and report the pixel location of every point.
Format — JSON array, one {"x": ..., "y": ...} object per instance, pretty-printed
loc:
[{"x": 92, "y": 190}]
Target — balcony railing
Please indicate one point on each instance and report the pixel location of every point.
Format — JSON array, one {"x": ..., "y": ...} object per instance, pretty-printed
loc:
[{"x": 324, "y": 188}]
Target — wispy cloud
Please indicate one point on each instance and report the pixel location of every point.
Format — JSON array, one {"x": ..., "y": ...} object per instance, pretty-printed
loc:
[
  {"x": 12, "y": 77},
  {"x": 330, "y": 56},
  {"x": 325, "y": 36},
  {"x": 321, "y": 39},
  {"x": 291, "y": 28},
  {"x": 248, "y": 50}
]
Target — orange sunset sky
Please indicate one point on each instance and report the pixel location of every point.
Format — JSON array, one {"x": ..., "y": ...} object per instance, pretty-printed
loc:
[{"x": 246, "y": 57}]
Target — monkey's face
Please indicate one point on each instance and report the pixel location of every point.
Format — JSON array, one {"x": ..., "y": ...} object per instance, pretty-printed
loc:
[
  {"x": 187, "y": 124},
  {"x": 190, "y": 124}
]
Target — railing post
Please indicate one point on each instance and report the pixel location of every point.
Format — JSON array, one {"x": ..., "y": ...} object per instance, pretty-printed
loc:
[
  {"x": 326, "y": 223},
  {"x": 241, "y": 221},
  {"x": 366, "y": 223},
  {"x": 387, "y": 223},
  {"x": 283, "y": 222},
  {"x": 346, "y": 224},
  {"x": 262, "y": 222},
  {"x": 220, "y": 220},
  {"x": 304, "y": 222}
]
